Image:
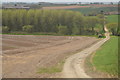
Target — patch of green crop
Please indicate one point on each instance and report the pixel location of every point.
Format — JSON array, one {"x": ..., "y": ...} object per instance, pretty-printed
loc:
[
  {"x": 112, "y": 18},
  {"x": 53, "y": 69}
]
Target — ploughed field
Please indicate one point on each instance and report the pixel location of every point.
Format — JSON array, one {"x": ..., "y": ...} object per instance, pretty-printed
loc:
[
  {"x": 23, "y": 55},
  {"x": 65, "y": 7},
  {"x": 79, "y": 6}
]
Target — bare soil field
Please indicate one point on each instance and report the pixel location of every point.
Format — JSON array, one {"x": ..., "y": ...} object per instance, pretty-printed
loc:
[
  {"x": 65, "y": 7},
  {"x": 77, "y": 6},
  {"x": 23, "y": 55}
]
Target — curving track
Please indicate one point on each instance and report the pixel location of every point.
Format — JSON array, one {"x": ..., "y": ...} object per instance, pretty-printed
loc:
[{"x": 73, "y": 67}]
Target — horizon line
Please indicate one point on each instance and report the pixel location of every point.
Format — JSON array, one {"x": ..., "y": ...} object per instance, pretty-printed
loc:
[{"x": 58, "y": 2}]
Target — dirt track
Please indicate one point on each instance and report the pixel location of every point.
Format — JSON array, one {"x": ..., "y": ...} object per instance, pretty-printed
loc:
[
  {"x": 73, "y": 67},
  {"x": 24, "y": 54}
]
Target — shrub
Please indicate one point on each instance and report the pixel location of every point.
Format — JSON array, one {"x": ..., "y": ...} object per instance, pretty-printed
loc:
[
  {"x": 75, "y": 31},
  {"x": 62, "y": 30},
  {"x": 113, "y": 27},
  {"x": 98, "y": 29},
  {"x": 5, "y": 29},
  {"x": 118, "y": 33},
  {"x": 28, "y": 28}
]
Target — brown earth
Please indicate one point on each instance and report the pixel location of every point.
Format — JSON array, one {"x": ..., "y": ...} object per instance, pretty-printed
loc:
[
  {"x": 23, "y": 55},
  {"x": 79, "y": 6},
  {"x": 65, "y": 7}
]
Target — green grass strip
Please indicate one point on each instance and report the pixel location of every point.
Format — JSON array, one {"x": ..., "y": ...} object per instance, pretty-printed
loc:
[{"x": 106, "y": 58}]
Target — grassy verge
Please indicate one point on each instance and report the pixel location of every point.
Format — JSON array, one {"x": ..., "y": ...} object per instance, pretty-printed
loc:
[
  {"x": 40, "y": 33},
  {"x": 25, "y": 33},
  {"x": 53, "y": 69},
  {"x": 104, "y": 62},
  {"x": 106, "y": 58}
]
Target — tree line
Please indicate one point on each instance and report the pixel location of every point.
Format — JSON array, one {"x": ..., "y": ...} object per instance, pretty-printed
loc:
[{"x": 51, "y": 21}]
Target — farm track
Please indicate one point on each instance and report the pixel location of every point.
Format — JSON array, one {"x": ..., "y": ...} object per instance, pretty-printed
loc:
[
  {"x": 23, "y": 61},
  {"x": 74, "y": 65}
]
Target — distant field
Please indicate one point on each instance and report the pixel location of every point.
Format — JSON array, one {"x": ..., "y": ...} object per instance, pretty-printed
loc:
[
  {"x": 103, "y": 5},
  {"x": 106, "y": 58},
  {"x": 65, "y": 7},
  {"x": 86, "y": 9},
  {"x": 95, "y": 9},
  {"x": 112, "y": 18}
]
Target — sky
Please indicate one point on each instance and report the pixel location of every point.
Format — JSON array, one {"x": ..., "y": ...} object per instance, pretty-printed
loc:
[{"x": 60, "y": 0}]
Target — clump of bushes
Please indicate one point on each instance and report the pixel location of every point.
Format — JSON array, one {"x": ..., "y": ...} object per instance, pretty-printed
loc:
[
  {"x": 28, "y": 28},
  {"x": 113, "y": 28},
  {"x": 62, "y": 30},
  {"x": 5, "y": 29},
  {"x": 75, "y": 30}
]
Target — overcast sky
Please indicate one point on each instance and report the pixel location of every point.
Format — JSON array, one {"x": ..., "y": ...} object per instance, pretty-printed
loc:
[{"x": 60, "y": 0}]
